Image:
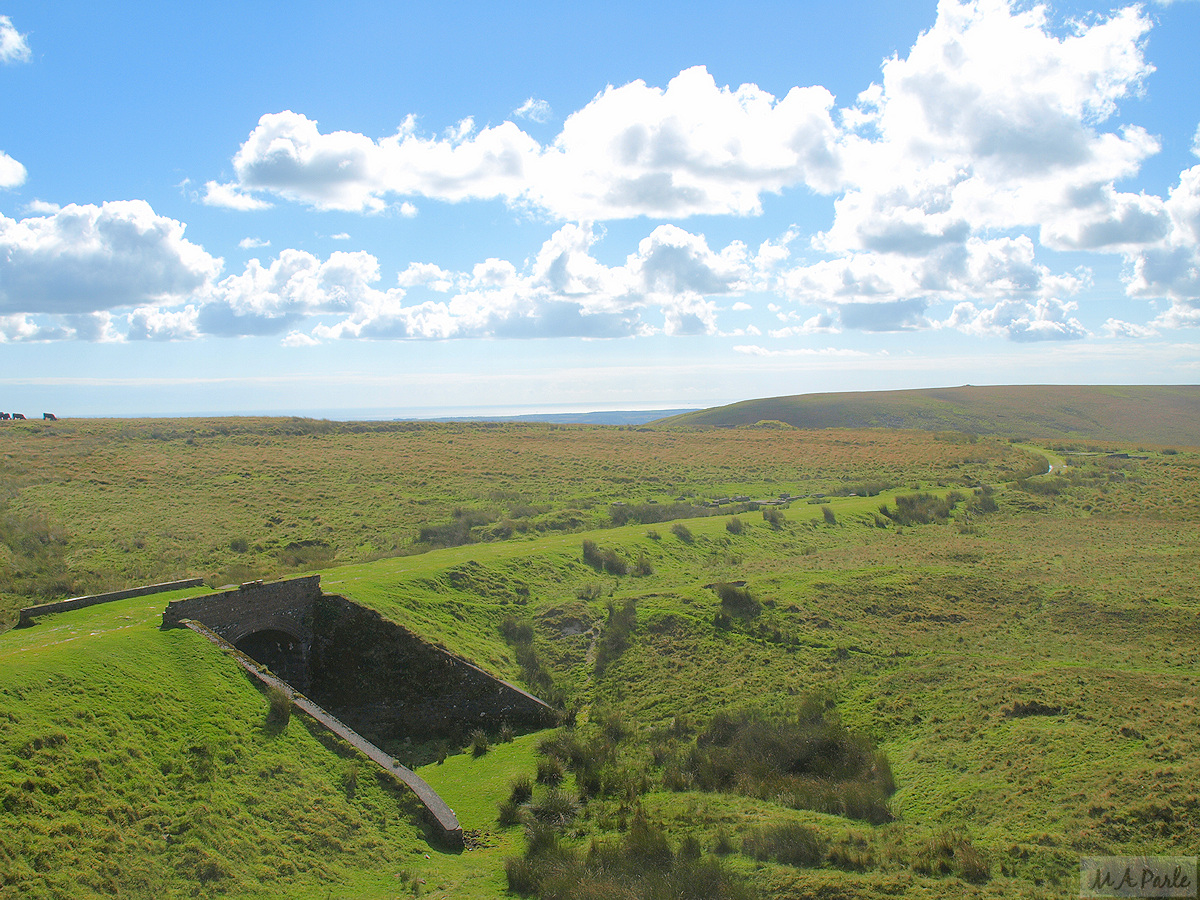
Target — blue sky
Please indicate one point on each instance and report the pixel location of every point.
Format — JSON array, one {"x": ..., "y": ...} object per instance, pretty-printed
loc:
[{"x": 374, "y": 207}]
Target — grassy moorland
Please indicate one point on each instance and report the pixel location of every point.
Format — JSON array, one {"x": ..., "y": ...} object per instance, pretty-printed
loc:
[
  {"x": 957, "y": 685},
  {"x": 94, "y": 505},
  {"x": 1154, "y": 414}
]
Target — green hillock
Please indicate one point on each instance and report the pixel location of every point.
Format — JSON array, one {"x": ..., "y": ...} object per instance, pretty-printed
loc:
[{"x": 1161, "y": 415}]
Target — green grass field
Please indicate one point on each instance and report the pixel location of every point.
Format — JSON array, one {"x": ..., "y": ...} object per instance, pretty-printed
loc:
[{"x": 1029, "y": 670}]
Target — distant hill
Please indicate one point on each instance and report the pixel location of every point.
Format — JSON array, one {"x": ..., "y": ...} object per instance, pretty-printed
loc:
[{"x": 1151, "y": 414}]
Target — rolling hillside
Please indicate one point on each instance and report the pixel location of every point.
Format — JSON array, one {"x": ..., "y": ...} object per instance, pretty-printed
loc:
[{"x": 1151, "y": 414}]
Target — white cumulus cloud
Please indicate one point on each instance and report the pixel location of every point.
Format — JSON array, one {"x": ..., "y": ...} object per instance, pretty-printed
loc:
[
  {"x": 14, "y": 46},
  {"x": 12, "y": 173},
  {"x": 686, "y": 149},
  {"x": 231, "y": 196},
  {"x": 86, "y": 258}
]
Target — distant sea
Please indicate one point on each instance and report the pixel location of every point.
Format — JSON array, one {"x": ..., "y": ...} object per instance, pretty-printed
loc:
[{"x": 473, "y": 414}]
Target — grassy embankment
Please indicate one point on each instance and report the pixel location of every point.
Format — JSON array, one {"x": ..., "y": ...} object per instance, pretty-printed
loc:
[{"x": 142, "y": 763}]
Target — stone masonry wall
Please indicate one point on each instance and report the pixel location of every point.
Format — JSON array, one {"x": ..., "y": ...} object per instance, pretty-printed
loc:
[
  {"x": 389, "y": 684},
  {"x": 273, "y": 606}
]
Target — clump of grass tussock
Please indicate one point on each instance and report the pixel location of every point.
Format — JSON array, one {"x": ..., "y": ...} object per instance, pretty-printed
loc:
[
  {"x": 641, "y": 866},
  {"x": 952, "y": 853},
  {"x": 810, "y": 762}
]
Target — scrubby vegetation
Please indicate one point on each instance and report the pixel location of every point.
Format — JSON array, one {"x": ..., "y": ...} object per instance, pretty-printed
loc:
[
  {"x": 921, "y": 509},
  {"x": 810, "y": 762}
]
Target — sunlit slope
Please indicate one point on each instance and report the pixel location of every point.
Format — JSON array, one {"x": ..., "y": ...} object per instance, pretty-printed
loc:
[
  {"x": 1151, "y": 414},
  {"x": 138, "y": 763}
]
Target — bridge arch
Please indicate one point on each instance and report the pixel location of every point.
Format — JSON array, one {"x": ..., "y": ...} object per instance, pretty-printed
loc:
[{"x": 280, "y": 650}]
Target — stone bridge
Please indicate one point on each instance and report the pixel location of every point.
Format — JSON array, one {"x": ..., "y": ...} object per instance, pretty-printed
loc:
[
  {"x": 271, "y": 623},
  {"x": 379, "y": 677},
  {"x": 376, "y": 678}
]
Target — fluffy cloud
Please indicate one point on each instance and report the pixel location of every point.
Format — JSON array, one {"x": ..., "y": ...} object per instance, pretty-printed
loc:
[
  {"x": 993, "y": 121},
  {"x": 272, "y": 299},
  {"x": 994, "y": 130},
  {"x": 1170, "y": 268},
  {"x": 13, "y": 45},
  {"x": 63, "y": 275},
  {"x": 634, "y": 150},
  {"x": 12, "y": 173},
  {"x": 534, "y": 110},
  {"x": 149, "y": 323},
  {"x": 1045, "y": 320},
  {"x": 287, "y": 156},
  {"x": 667, "y": 286},
  {"x": 84, "y": 259},
  {"x": 231, "y": 196},
  {"x": 691, "y": 148},
  {"x": 95, "y": 327}
]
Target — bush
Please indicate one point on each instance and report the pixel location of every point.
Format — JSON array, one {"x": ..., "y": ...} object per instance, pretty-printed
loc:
[
  {"x": 639, "y": 867},
  {"x": 515, "y": 631},
  {"x": 809, "y": 763},
  {"x": 550, "y": 771},
  {"x": 682, "y": 532},
  {"x": 522, "y": 790},
  {"x": 773, "y": 516},
  {"x": 523, "y": 876},
  {"x": 952, "y": 853},
  {"x": 830, "y": 518},
  {"x": 456, "y": 532},
  {"x": 279, "y": 711},
  {"x": 734, "y": 525},
  {"x": 790, "y": 843},
  {"x": 509, "y": 813},
  {"x": 736, "y": 601},
  {"x": 650, "y": 513},
  {"x": 554, "y": 808},
  {"x": 479, "y": 743},
  {"x": 614, "y": 639},
  {"x": 921, "y": 509},
  {"x": 603, "y": 560},
  {"x": 864, "y": 489}
]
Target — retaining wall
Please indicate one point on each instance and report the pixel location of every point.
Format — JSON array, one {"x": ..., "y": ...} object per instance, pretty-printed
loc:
[
  {"x": 390, "y": 684},
  {"x": 29, "y": 613}
]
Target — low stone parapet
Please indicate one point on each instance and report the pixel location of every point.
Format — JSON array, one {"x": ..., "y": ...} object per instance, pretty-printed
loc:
[{"x": 29, "y": 613}]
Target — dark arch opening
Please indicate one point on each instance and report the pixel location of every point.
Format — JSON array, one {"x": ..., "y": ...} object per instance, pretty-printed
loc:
[{"x": 282, "y": 653}]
